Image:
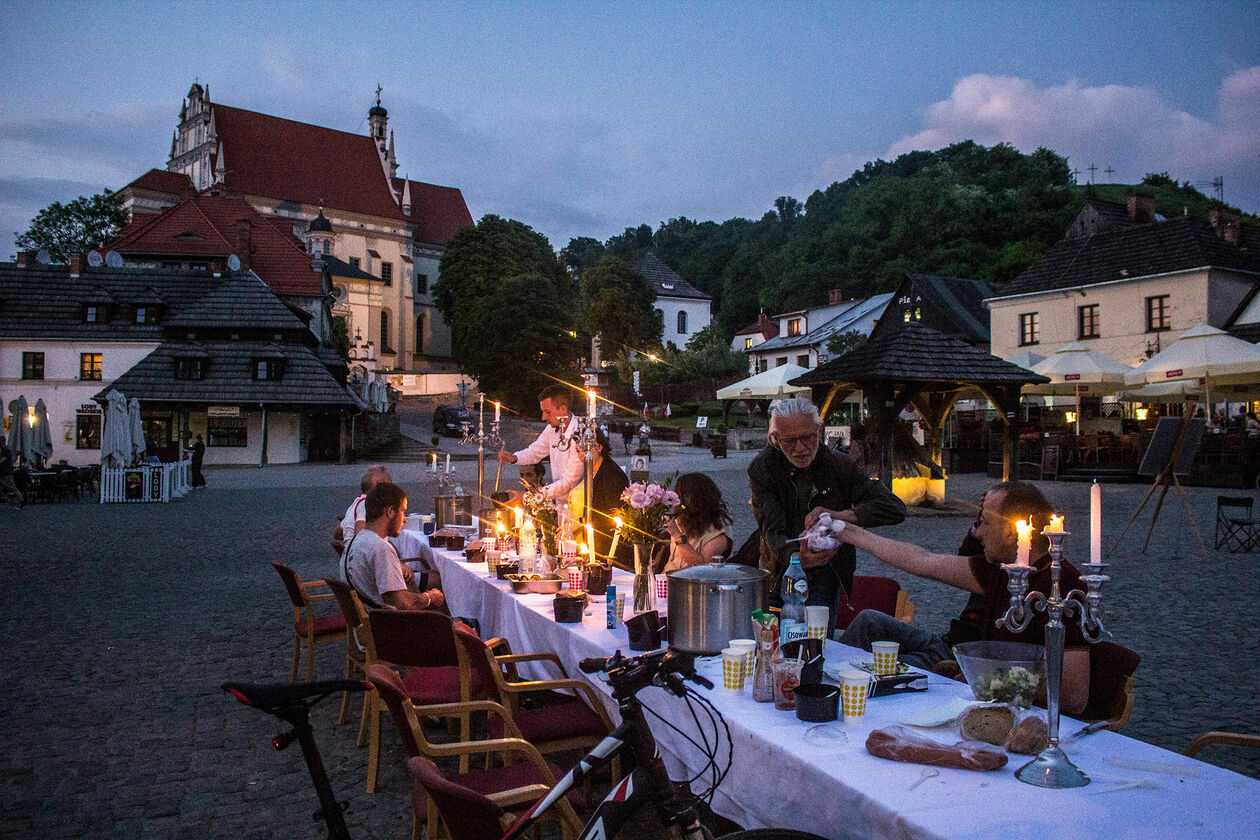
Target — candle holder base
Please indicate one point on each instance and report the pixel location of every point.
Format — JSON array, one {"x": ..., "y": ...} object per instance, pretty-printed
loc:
[{"x": 1052, "y": 769}]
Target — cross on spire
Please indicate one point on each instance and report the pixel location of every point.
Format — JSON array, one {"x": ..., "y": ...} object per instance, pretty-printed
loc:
[
  {"x": 1109, "y": 172},
  {"x": 1076, "y": 174},
  {"x": 1092, "y": 169},
  {"x": 378, "y": 93}
]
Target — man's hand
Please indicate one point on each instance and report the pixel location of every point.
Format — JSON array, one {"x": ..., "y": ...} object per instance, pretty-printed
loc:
[
  {"x": 814, "y": 559},
  {"x": 506, "y": 457},
  {"x": 845, "y": 515},
  {"x": 408, "y": 575},
  {"x": 436, "y": 599}
]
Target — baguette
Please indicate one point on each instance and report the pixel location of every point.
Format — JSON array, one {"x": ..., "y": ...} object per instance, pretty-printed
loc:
[{"x": 897, "y": 743}]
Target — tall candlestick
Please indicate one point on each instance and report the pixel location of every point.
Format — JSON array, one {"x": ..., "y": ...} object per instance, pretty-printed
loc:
[
  {"x": 497, "y": 406},
  {"x": 481, "y": 410},
  {"x": 590, "y": 404},
  {"x": 1095, "y": 523},
  {"x": 1024, "y": 546}
]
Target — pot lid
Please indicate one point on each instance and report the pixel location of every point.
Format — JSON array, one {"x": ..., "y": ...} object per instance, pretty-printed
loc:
[{"x": 719, "y": 573}]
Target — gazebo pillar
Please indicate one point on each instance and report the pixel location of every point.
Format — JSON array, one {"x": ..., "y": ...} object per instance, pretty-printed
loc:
[
  {"x": 1008, "y": 404},
  {"x": 935, "y": 407}
]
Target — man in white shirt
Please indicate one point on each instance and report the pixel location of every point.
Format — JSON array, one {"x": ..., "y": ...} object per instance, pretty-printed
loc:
[
  {"x": 356, "y": 515},
  {"x": 370, "y": 564},
  {"x": 566, "y": 464}
]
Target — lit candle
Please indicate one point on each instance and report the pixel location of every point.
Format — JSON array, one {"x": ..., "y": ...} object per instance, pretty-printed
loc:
[
  {"x": 590, "y": 537},
  {"x": 519, "y": 516},
  {"x": 1024, "y": 546},
  {"x": 1055, "y": 526},
  {"x": 433, "y": 463},
  {"x": 497, "y": 406},
  {"x": 590, "y": 404},
  {"x": 502, "y": 541},
  {"x": 481, "y": 410},
  {"x": 616, "y": 536},
  {"x": 1095, "y": 523}
]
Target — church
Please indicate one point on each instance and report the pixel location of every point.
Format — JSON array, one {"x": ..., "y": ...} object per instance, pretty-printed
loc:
[{"x": 374, "y": 237}]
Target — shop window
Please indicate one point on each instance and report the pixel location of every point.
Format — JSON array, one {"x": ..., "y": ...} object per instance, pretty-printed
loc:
[
  {"x": 87, "y": 430},
  {"x": 226, "y": 431},
  {"x": 32, "y": 365},
  {"x": 90, "y": 367}
]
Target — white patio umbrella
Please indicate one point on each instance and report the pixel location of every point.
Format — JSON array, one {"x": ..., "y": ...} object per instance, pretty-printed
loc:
[
  {"x": 21, "y": 435},
  {"x": 1202, "y": 353},
  {"x": 116, "y": 436},
  {"x": 1077, "y": 369},
  {"x": 41, "y": 441},
  {"x": 768, "y": 384},
  {"x": 1026, "y": 359},
  {"x": 135, "y": 428}
]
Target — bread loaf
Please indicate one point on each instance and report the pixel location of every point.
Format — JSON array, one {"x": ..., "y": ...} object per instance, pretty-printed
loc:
[
  {"x": 990, "y": 724},
  {"x": 899, "y": 744},
  {"x": 1029, "y": 736}
]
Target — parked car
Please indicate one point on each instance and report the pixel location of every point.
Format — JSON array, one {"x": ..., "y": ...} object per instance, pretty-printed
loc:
[{"x": 447, "y": 420}]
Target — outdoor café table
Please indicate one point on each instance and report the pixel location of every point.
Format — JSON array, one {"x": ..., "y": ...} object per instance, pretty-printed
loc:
[
  {"x": 780, "y": 778},
  {"x": 411, "y": 544}
]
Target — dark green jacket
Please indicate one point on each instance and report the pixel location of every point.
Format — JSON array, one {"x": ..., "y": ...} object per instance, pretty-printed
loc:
[{"x": 836, "y": 483}]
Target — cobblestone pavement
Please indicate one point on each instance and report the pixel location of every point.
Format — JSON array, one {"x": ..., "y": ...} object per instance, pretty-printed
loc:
[{"x": 120, "y": 622}]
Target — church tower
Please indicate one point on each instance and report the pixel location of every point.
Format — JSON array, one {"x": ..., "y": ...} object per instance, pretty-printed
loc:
[
  {"x": 378, "y": 125},
  {"x": 196, "y": 141}
]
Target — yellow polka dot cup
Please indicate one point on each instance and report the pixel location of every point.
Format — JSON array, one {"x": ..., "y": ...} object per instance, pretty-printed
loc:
[
  {"x": 733, "y": 669},
  {"x": 816, "y": 619},
  {"x": 885, "y": 654},
  {"x": 749, "y": 648},
  {"x": 855, "y": 688}
]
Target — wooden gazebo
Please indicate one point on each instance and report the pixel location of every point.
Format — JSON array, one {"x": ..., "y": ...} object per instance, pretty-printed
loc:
[{"x": 920, "y": 365}]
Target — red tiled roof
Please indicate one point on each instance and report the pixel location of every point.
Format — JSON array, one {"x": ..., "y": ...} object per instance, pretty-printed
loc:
[
  {"x": 768, "y": 328},
  {"x": 207, "y": 226},
  {"x": 159, "y": 180},
  {"x": 272, "y": 157},
  {"x": 437, "y": 212}
]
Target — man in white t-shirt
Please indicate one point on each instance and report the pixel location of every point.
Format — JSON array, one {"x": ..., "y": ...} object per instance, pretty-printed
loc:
[
  {"x": 370, "y": 564},
  {"x": 356, "y": 515}
]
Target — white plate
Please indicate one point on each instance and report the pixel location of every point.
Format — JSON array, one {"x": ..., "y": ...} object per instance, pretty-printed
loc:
[{"x": 939, "y": 715}]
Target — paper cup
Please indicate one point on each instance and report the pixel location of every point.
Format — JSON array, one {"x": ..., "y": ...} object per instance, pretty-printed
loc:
[
  {"x": 816, "y": 619},
  {"x": 748, "y": 649},
  {"x": 493, "y": 556},
  {"x": 885, "y": 657},
  {"x": 662, "y": 587},
  {"x": 619, "y": 609},
  {"x": 733, "y": 670},
  {"x": 575, "y": 579},
  {"x": 855, "y": 688}
]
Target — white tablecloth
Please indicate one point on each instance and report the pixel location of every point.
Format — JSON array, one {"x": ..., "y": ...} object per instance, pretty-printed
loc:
[
  {"x": 412, "y": 544},
  {"x": 778, "y": 778}
]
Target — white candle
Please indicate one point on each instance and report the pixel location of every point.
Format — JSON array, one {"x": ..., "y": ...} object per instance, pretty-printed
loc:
[
  {"x": 1055, "y": 526},
  {"x": 481, "y": 410},
  {"x": 590, "y": 537},
  {"x": 590, "y": 404},
  {"x": 1024, "y": 546},
  {"x": 518, "y": 517},
  {"x": 612, "y": 552},
  {"x": 433, "y": 463},
  {"x": 497, "y": 406},
  {"x": 448, "y": 463},
  {"x": 1095, "y": 523}
]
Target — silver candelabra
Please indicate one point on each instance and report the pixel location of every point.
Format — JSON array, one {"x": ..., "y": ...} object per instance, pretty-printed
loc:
[
  {"x": 583, "y": 438},
  {"x": 1052, "y": 769},
  {"x": 481, "y": 438}
]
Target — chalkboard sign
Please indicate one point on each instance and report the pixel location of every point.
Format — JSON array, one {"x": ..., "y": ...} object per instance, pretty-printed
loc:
[
  {"x": 1049, "y": 462},
  {"x": 1160, "y": 448}
]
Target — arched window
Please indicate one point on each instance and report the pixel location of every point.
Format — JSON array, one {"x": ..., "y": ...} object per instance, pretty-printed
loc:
[
  {"x": 682, "y": 322},
  {"x": 419, "y": 334},
  {"x": 385, "y": 329}
]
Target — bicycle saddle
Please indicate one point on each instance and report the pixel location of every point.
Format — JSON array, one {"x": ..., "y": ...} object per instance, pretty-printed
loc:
[{"x": 271, "y": 696}]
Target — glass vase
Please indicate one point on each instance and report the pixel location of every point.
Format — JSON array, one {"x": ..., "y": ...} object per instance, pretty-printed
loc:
[{"x": 644, "y": 585}]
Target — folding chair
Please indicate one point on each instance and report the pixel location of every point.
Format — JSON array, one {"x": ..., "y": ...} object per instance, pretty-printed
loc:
[{"x": 1236, "y": 528}]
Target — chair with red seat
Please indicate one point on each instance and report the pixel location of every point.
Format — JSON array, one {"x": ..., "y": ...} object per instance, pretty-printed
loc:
[
  {"x": 360, "y": 647},
  {"x": 1111, "y": 668},
  {"x": 308, "y": 628},
  {"x": 873, "y": 593},
  {"x": 436, "y": 671},
  {"x": 526, "y": 780},
  {"x": 468, "y": 815}
]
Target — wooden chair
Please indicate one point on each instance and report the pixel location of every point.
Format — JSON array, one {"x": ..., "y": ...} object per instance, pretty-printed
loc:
[
  {"x": 360, "y": 647},
  {"x": 1236, "y": 527},
  {"x": 874, "y": 593},
  {"x": 1234, "y": 739},
  {"x": 308, "y": 628},
  {"x": 524, "y": 781},
  {"x": 1111, "y": 684}
]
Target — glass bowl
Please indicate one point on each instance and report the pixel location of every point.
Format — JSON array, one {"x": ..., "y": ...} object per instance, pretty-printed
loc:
[{"x": 1009, "y": 672}]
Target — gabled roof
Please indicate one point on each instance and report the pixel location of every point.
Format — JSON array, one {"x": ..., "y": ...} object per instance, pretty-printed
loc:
[
  {"x": 950, "y": 305},
  {"x": 437, "y": 212},
  {"x": 764, "y": 326},
  {"x": 229, "y": 376},
  {"x": 665, "y": 281},
  {"x": 206, "y": 225},
  {"x": 240, "y": 301},
  {"x": 341, "y": 268},
  {"x": 162, "y": 181},
  {"x": 916, "y": 353},
  {"x": 848, "y": 319},
  {"x": 1117, "y": 253},
  {"x": 287, "y": 160},
  {"x": 45, "y": 302}
]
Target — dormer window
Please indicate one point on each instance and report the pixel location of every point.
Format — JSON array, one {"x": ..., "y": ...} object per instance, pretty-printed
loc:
[
  {"x": 190, "y": 368},
  {"x": 268, "y": 370},
  {"x": 91, "y": 314},
  {"x": 142, "y": 315}
]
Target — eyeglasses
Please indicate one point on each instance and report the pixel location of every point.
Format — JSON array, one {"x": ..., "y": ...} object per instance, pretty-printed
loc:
[{"x": 810, "y": 439}]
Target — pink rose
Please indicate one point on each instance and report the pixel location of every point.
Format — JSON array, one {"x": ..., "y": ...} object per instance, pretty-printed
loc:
[
  {"x": 670, "y": 499},
  {"x": 640, "y": 499}
]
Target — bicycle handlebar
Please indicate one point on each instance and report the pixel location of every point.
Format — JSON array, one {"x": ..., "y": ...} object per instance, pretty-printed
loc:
[{"x": 665, "y": 668}]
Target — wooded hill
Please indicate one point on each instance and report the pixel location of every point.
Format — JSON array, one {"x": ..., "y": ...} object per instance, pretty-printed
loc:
[{"x": 965, "y": 210}]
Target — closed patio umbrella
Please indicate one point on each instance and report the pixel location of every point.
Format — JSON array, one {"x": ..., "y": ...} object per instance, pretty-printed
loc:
[
  {"x": 136, "y": 429},
  {"x": 116, "y": 436},
  {"x": 42, "y": 437},
  {"x": 21, "y": 442}
]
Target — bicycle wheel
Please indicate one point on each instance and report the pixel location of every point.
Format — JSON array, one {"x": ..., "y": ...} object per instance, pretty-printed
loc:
[{"x": 770, "y": 834}]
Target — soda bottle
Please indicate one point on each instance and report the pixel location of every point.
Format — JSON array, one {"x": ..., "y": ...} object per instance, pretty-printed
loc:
[{"x": 794, "y": 589}]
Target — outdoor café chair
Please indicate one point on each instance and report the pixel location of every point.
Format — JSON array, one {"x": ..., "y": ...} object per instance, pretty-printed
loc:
[
  {"x": 1233, "y": 739},
  {"x": 308, "y": 628},
  {"x": 436, "y": 672},
  {"x": 523, "y": 781},
  {"x": 1236, "y": 527},
  {"x": 1111, "y": 683},
  {"x": 872, "y": 592},
  {"x": 360, "y": 647}
]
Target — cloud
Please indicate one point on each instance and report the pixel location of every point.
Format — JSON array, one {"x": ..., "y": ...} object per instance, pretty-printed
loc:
[
  {"x": 1132, "y": 129},
  {"x": 21, "y": 198},
  {"x": 113, "y": 138}
]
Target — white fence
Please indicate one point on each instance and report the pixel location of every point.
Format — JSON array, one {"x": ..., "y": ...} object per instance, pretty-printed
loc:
[{"x": 147, "y": 483}]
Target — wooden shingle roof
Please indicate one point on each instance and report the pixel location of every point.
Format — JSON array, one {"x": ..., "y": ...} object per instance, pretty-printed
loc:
[
  {"x": 664, "y": 280},
  {"x": 916, "y": 353},
  {"x": 242, "y": 301}
]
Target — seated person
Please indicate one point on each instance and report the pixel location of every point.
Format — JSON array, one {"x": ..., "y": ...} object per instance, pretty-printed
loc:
[
  {"x": 609, "y": 482},
  {"x": 982, "y": 574},
  {"x": 701, "y": 529},
  {"x": 356, "y": 517},
  {"x": 370, "y": 564}
]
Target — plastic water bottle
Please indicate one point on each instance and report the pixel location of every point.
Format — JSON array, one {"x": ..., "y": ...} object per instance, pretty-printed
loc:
[{"x": 794, "y": 589}]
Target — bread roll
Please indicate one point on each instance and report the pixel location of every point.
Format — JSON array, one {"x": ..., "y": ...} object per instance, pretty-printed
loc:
[
  {"x": 1029, "y": 736},
  {"x": 990, "y": 724}
]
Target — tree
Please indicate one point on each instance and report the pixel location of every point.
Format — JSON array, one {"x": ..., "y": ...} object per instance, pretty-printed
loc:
[
  {"x": 580, "y": 254},
  {"x": 617, "y": 306},
  {"x": 708, "y": 355},
  {"x": 842, "y": 343},
  {"x": 340, "y": 338},
  {"x": 86, "y": 223},
  {"x": 507, "y": 299}
]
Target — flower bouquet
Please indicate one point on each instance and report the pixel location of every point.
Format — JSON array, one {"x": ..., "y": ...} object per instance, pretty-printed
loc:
[
  {"x": 546, "y": 519},
  {"x": 642, "y": 517}
]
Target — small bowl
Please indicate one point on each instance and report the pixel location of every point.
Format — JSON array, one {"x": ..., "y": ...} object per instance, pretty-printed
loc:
[
  {"x": 817, "y": 703},
  {"x": 1009, "y": 672},
  {"x": 569, "y": 607},
  {"x": 506, "y": 568}
]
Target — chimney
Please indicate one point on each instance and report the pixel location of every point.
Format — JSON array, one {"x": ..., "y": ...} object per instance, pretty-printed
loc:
[
  {"x": 25, "y": 259},
  {"x": 835, "y": 296},
  {"x": 76, "y": 264},
  {"x": 1142, "y": 208},
  {"x": 243, "y": 242},
  {"x": 1225, "y": 225}
]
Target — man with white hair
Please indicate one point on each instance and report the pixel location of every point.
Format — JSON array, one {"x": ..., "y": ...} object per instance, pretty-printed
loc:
[
  {"x": 355, "y": 518},
  {"x": 794, "y": 476}
]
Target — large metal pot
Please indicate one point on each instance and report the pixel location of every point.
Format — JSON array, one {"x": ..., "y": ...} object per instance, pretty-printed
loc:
[
  {"x": 452, "y": 510},
  {"x": 711, "y": 604}
]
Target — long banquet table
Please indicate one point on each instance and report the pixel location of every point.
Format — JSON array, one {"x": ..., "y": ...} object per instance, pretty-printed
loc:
[{"x": 778, "y": 778}]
